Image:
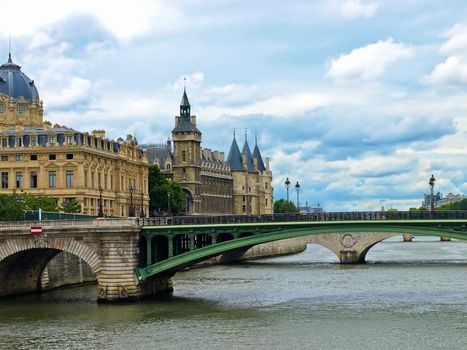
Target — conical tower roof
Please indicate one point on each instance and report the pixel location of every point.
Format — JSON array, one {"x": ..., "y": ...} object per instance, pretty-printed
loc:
[
  {"x": 249, "y": 158},
  {"x": 234, "y": 159},
  {"x": 185, "y": 102},
  {"x": 259, "y": 159}
]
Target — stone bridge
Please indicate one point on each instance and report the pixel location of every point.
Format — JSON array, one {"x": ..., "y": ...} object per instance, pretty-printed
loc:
[{"x": 109, "y": 247}]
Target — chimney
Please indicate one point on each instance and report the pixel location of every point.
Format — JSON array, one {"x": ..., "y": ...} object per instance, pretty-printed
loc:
[
  {"x": 99, "y": 133},
  {"x": 244, "y": 161},
  {"x": 193, "y": 120},
  {"x": 215, "y": 155},
  {"x": 222, "y": 157},
  {"x": 169, "y": 145}
]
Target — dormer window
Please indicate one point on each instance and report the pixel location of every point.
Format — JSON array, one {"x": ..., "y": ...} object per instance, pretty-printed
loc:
[
  {"x": 20, "y": 109},
  {"x": 52, "y": 140},
  {"x": 2, "y": 108},
  {"x": 69, "y": 140}
]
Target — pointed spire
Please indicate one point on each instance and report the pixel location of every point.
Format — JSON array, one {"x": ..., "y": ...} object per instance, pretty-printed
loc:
[
  {"x": 9, "y": 49},
  {"x": 246, "y": 135},
  {"x": 234, "y": 133},
  {"x": 234, "y": 159}
]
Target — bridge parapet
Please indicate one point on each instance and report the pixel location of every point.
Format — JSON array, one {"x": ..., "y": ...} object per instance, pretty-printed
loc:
[{"x": 294, "y": 217}]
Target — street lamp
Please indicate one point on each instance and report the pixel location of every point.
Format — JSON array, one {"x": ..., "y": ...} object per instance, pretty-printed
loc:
[
  {"x": 169, "y": 211},
  {"x": 101, "y": 210},
  {"x": 131, "y": 209},
  {"x": 297, "y": 188},
  {"x": 287, "y": 186},
  {"x": 431, "y": 183},
  {"x": 141, "y": 214}
]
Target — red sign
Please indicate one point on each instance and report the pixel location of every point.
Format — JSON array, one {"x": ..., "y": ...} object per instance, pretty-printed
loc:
[{"x": 36, "y": 230}]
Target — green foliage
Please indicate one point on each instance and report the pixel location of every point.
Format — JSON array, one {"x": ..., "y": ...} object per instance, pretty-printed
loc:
[
  {"x": 282, "y": 206},
  {"x": 159, "y": 189},
  {"x": 32, "y": 202},
  {"x": 72, "y": 206},
  {"x": 10, "y": 208},
  {"x": 461, "y": 205}
]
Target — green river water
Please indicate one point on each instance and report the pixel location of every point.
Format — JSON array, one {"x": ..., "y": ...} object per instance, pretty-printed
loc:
[{"x": 408, "y": 296}]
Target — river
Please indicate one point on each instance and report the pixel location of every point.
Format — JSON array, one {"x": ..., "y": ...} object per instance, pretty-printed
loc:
[{"x": 408, "y": 295}]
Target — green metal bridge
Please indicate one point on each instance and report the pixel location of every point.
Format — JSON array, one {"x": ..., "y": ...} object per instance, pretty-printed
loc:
[{"x": 173, "y": 244}]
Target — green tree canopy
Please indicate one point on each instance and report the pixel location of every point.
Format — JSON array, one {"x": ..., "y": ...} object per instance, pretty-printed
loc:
[
  {"x": 71, "y": 206},
  {"x": 282, "y": 206},
  {"x": 461, "y": 205},
  {"x": 10, "y": 208},
  {"x": 159, "y": 189}
]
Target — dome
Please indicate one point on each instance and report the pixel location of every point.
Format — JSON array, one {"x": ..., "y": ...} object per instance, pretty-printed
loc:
[{"x": 16, "y": 84}]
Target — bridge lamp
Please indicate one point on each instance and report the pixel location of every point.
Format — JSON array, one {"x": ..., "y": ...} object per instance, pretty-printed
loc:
[
  {"x": 141, "y": 214},
  {"x": 297, "y": 188},
  {"x": 431, "y": 183},
  {"x": 101, "y": 209},
  {"x": 131, "y": 209},
  {"x": 287, "y": 186}
]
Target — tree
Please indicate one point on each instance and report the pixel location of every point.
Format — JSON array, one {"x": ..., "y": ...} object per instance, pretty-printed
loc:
[
  {"x": 159, "y": 189},
  {"x": 71, "y": 206},
  {"x": 282, "y": 206},
  {"x": 32, "y": 202},
  {"x": 461, "y": 205},
  {"x": 10, "y": 208}
]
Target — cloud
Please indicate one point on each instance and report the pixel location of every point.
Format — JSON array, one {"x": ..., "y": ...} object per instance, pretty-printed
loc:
[
  {"x": 124, "y": 21},
  {"x": 453, "y": 71},
  {"x": 193, "y": 80},
  {"x": 368, "y": 62},
  {"x": 353, "y": 9}
]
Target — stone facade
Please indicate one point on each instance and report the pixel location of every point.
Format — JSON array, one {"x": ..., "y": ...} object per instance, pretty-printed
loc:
[
  {"x": 212, "y": 185},
  {"x": 61, "y": 162}
]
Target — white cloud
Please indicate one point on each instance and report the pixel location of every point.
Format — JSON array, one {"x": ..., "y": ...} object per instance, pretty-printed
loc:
[
  {"x": 353, "y": 9},
  {"x": 451, "y": 71},
  {"x": 454, "y": 69},
  {"x": 76, "y": 90},
  {"x": 368, "y": 62},
  {"x": 193, "y": 80},
  {"x": 125, "y": 21}
]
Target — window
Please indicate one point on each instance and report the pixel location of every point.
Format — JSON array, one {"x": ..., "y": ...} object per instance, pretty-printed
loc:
[
  {"x": 4, "y": 158},
  {"x": 19, "y": 142},
  {"x": 2, "y": 108},
  {"x": 20, "y": 109},
  {"x": 99, "y": 182},
  {"x": 33, "y": 141},
  {"x": 52, "y": 157},
  {"x": 183, "y": 156},
  {"x": 19, "y": 157},
  {"x": 51, "y": 140},
  {"x": 69, "y": 178},
  {"x": 69, "y": 140},
  {"x": 33, "y": 156},
  {"x": 105, "y": 181},
  {"x": 69, "y": 156},
  {"x": 33, "y": 179},
  {"x": 85, "y": 178},
  {"x": 4, "y": 179},
  {"x": 92, "y": 202},
  {"x": 52, "y": 178},
  {"x": 19, "y": 179},
  {"x": 111, "y": 182},
  {"x": 4, "y": 142},
  {"x": 167, "y": 166},
  {"x": 92, "y": 179}
]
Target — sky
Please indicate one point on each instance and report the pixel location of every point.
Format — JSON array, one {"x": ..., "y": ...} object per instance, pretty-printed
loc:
[{"x": 358, "y": 100}]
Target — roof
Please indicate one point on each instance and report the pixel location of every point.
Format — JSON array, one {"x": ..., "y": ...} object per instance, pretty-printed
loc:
[
  {"x": 234, "y": 159},
  {"x": 259, "y": 159},
  {"x": 159, "y": 153},
  {"x": 249, "y": 158},
  {"x": 185, "y": 125},
  {"x": 185, "y": 102},
  {"x": 16, "y": 84}
]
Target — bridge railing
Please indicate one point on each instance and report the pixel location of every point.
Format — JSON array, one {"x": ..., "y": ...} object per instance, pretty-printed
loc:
[{"x": 291, "y": 217}]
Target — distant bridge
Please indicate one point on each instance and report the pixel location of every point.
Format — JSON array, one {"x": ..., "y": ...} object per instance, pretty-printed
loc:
[{"x": 133, "y": 258}]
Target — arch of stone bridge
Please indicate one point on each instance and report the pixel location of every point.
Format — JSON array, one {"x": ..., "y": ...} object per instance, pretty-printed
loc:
[
  {"x": 380, "y": 232},
  {"x": 22, "y": 261}
]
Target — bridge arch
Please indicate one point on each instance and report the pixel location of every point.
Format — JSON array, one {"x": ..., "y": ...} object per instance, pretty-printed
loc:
[{"x": 23, "y": 261}]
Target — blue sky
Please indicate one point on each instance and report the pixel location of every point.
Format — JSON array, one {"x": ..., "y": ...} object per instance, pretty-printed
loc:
[{"x": 359, "y": 100}]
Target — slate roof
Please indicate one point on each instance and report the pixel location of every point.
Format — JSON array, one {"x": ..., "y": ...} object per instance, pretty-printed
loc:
[
  {"x": 14, "y": 83},
  {"x": 159, "y": 153},
  {"x": 185, "y": 125},
  {"x": 234, "y": 159},
  {"x": 257, "y": 155},
  {"x": 185, "y": 102},
  {"x": 249, "y": 158}
]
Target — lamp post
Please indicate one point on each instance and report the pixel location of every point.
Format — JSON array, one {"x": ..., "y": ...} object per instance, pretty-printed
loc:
[
  {"x": 131, "y": 209},
  {"x": 141, "y": 214},
  {"x": 297, "y": 188},
  {"x": 101, "y": 210},
  {"x": 169, "y": 210},
  {"x": 431, "y": 183},
  {"x": 287, "y": 186}
]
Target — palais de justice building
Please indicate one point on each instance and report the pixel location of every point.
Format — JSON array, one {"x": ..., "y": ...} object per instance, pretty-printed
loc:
[
  {"x": 213, "y": 185},
  {"x": 61, "y": 162}
]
